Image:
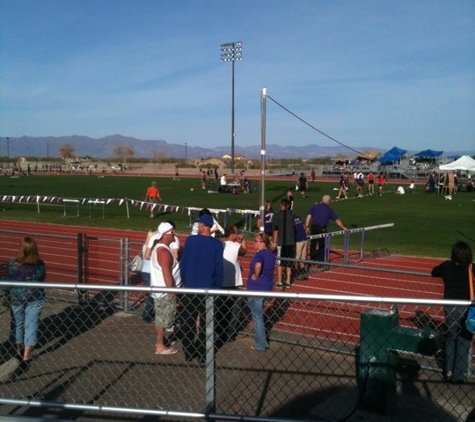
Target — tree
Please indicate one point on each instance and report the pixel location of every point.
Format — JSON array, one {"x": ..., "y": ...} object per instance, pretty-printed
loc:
[
  {"x": 158, "y": 155},
  {"x": 66, "y": 151},
  {"x": 123, "y": 151}
]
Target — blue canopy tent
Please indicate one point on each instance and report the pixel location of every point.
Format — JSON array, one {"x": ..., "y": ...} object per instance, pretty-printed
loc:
[
  {"x": 392, "y": 156},
  {"x": 428, "y": 153}
]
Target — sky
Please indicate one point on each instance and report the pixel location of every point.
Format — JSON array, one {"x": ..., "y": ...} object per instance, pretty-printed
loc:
[{"x": 375, "y": 73}]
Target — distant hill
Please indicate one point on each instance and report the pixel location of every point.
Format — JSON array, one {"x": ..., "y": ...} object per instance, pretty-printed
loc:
[{"x": 104, "y": 148}]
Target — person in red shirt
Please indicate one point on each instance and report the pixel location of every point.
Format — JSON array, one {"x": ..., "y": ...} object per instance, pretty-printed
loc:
[
  {"x": 152, "y": 195},
  {"x": 371, "y": 183},
  {"x": 381, "y": 182}
]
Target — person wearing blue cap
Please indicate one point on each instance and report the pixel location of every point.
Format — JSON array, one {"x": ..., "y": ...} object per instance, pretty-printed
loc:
[{"x": 201, "y": 268}]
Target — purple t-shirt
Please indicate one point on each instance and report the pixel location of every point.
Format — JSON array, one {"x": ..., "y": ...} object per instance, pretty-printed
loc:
[
  {"x": 321, "y": 214},
  {"x": 300, "y": 234},
  {"x": 265, "y": 282}
]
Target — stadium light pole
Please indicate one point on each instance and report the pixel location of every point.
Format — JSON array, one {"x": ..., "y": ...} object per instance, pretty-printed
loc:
[
  {"x": 186, "y": 152},
  {"x": 232, "y": 52},
  {"x": 8, "y": 147}
]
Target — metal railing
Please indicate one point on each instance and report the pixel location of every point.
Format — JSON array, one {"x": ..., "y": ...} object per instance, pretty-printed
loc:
[{"x": 325, "y": 361}]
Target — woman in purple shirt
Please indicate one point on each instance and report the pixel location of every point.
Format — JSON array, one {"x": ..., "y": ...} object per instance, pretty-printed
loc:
[{"x": 261, "y": 278}]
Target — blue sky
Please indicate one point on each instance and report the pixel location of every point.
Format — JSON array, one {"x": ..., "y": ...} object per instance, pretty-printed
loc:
[{"x": 369, "y": 73}]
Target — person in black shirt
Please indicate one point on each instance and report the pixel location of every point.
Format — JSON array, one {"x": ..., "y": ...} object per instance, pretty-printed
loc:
[
  {"x": 455, "y": 275},
  {"x": 284, "y": 238}
]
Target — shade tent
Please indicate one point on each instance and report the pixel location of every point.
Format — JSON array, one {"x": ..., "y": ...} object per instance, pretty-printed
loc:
[
  {"x": 368, "y": 155},
  {"x": 388, "y": 157},
  {"x": 393, "y": 155},
  {"x": 428, "y": 153},
  {"x": 463, "y": 163}
]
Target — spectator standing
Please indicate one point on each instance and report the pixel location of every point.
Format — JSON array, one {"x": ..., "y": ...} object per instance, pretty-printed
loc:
[
  {"x": 268, "y": 216},
  {"x": 381, "y": 182},
  {"x": 455, "y": 276},
  {"x": 343, "y": 187},
  {"x": 216, "y": 226},
  {"x": 360, "y": 185},
  {"x": 312, "y": 175},
  {"x": 148, "y": 314},
  {"x": 223, "y": 181},
  {"x": 201, "y": 268},
  {"x": 303, "y": 185},
  {"x": 290, "y": 198},
  {"x": 261, "y": 279},
  {"x": 284, "y": 238},
  {"x": 152, "y": 195},
  {"x": 26, "y": 304},
  {"x": 371, "y": 183},
  {"x": 432, "y": 182},
  {"x": 203, "y": 180},
  {"x": 165, "y": 272},
  {"x": 247, "y": 185},
  {"x": 300, "y": 248},
  {"x": 230, "y": 306},
  {"x": 319, "y": 216}
]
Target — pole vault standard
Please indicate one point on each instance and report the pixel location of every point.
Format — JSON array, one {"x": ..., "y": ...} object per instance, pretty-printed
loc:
[{"x": 263, "y": 157}]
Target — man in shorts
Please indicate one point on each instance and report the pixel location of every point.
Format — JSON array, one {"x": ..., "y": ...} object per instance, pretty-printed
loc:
[
  {"x": 152, "y": 195},
  {"x": 284, "y": 238},
  {"x": 164, "y": 272}
]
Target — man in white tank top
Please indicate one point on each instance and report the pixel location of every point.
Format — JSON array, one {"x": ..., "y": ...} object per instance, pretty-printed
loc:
[{"x": 164, "y": 272}]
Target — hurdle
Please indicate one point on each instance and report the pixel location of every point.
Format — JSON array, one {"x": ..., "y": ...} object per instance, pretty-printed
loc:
[
  {"x": 247, "y": 218},
  {"x": 93, "y": 202},
  {"x": 346, "y": 241},
  {"x": 65, "y": 209},
  {"x": 214, "y": 211}
]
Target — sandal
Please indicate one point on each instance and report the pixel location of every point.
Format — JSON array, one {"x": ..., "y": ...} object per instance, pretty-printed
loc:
[
  {"x": 170, "y": 351},
  {"x": 256, "y": 350}
]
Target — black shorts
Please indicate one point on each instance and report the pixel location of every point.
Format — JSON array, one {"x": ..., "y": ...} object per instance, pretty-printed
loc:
[{"x": 287, "y": 251}]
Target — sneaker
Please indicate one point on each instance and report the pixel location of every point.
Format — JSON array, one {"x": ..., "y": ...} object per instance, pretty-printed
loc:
[
  {"x": 279, "y": 285},
  {"x": 287, "y": 285}
]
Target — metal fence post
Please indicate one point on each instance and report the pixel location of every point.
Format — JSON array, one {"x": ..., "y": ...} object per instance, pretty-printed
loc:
[
  {"x": 80, "y": 251},
  {"x": 210, "y": 383},
  {"x": 124, "y": 271}
]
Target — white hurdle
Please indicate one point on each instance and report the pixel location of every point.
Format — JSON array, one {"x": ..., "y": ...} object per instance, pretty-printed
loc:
[
  {"x": 93, "y": 202},
  {"x": 70, "y": 201}
]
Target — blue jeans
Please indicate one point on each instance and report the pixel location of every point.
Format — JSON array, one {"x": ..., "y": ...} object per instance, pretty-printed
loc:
[
  {"x": 458, "y": 342},
  {"x": 256, "y": 304},
  {"x": 27, "y": 320}
]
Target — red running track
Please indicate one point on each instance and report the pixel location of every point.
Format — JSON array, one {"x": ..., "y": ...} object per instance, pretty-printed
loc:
[{"x": 327, "y": 319}]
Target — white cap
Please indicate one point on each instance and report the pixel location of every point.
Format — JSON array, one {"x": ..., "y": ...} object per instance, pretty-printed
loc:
[{"x": 162, "y": 229}]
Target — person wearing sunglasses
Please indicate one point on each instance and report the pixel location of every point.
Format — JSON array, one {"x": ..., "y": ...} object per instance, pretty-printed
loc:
[{"x": 164, "y": 272}]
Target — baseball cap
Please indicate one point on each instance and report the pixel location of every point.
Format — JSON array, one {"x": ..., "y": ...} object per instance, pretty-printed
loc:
[
  {"x": 163, "y": 228},
  {"x": 206, "y": 219}
]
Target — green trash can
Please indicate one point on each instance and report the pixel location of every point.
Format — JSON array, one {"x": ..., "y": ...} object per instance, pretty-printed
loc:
[{"x": 376, "y": 364}]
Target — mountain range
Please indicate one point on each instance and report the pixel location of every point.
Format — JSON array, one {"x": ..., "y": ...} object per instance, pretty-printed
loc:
[{"x": 29, "y": 146}]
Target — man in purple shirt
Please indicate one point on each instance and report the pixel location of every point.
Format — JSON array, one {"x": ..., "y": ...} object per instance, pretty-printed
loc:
[{"x": 320, "y": 215}]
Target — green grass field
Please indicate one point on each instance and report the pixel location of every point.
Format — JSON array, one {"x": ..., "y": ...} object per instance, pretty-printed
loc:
[{"x": 424, "y": 225}]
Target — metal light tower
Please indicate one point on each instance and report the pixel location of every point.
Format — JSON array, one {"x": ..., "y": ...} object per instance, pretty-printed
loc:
[{"x": 231, "y": 52}]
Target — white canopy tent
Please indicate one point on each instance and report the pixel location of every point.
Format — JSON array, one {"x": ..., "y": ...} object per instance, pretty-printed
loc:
[{"x": 463, "y": 163}]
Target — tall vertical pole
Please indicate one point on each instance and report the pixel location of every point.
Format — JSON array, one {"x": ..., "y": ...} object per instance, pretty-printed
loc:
[
  {"x": 230, "y": 52},
  {"x": 8, "y": 147},
  {"x": 232, "y": 120},
  {"x": 263, "y": 156}
]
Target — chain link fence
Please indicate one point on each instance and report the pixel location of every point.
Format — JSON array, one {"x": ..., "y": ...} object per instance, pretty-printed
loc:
[{"x": 329, "y": 358}]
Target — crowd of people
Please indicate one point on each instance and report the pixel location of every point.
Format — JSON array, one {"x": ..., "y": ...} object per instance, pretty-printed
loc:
[{"x": 282, "y": 254}]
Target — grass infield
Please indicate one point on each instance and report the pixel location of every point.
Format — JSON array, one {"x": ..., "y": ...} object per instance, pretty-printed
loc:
[{"x": 424, "y": 224}]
